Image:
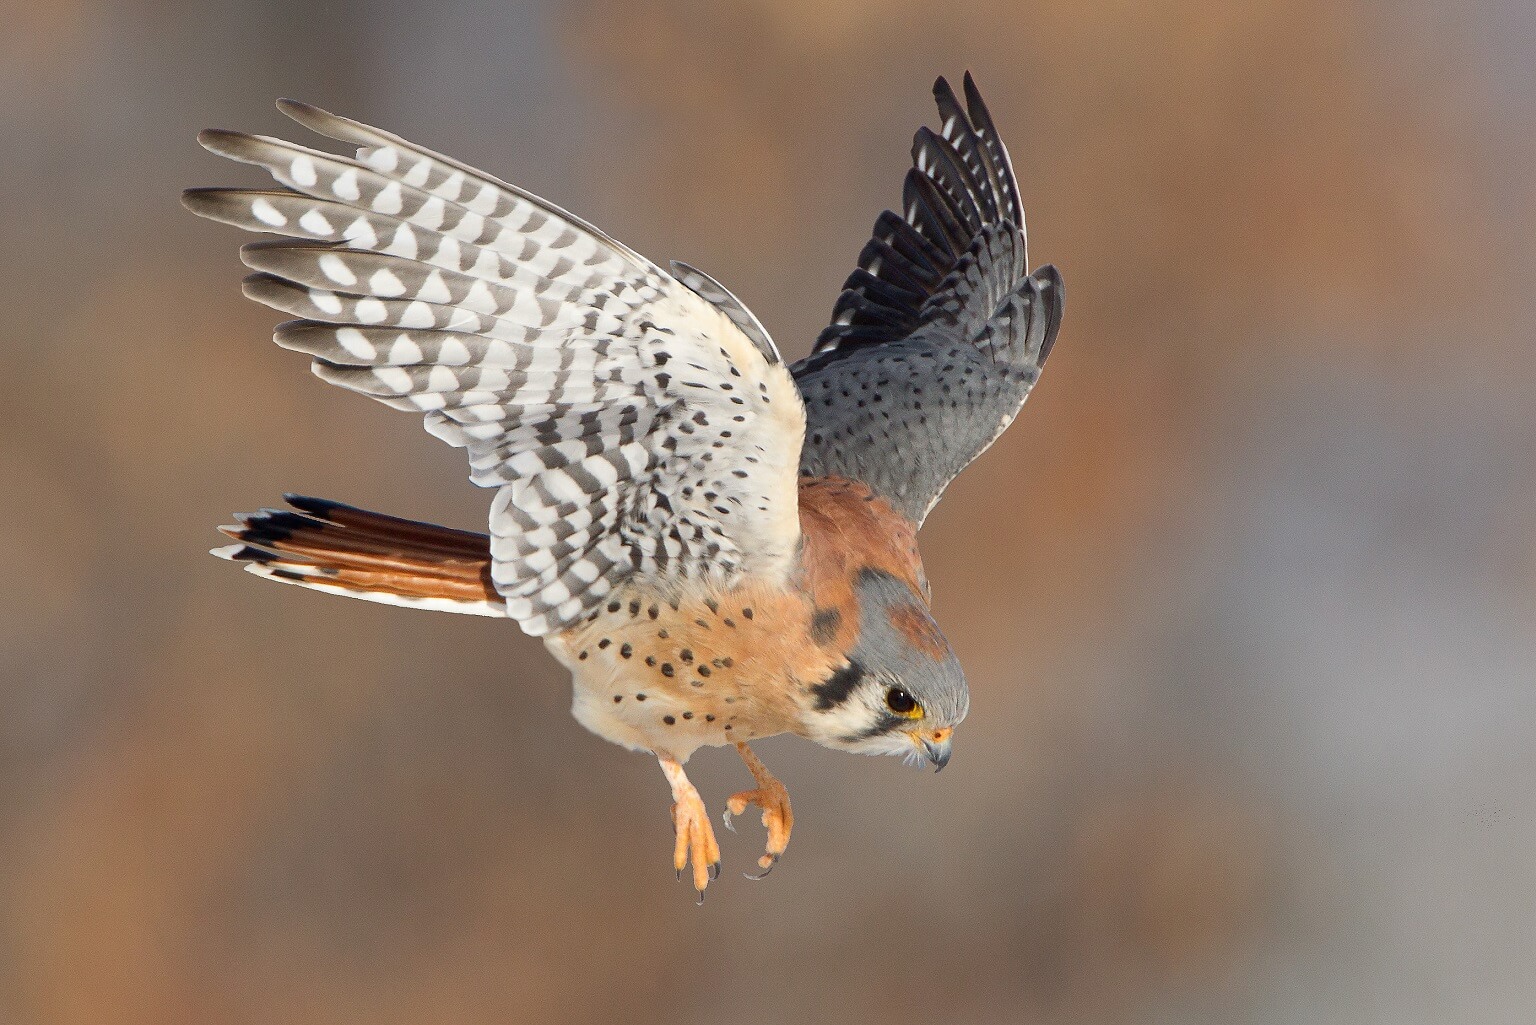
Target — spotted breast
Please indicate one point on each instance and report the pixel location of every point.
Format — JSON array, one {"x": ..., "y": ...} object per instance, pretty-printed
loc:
[{"x": 673, "y": 673}]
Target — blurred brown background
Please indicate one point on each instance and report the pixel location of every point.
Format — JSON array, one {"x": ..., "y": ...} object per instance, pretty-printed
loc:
[{"x": 1247, "y": 597}]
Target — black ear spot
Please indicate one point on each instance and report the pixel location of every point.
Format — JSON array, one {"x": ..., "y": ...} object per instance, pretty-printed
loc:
[
  {"x": 824, "y": 625},
  {"x": 838, "y": 687}
]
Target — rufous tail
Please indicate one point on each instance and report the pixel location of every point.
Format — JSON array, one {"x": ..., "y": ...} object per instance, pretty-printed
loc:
[{"x": 328, "y": 546}]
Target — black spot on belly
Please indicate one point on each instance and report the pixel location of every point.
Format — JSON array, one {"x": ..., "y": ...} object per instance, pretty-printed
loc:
[
  {"x": 669, "y": 720},
  {"x": 825, "y": 624},
  {"x": 837, "y": 688},
  {"x": 666, "y": 669}
]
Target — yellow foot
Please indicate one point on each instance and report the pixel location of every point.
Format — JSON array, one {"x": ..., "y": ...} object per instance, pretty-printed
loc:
[
  {"x": 770, "y": 796},
  {"x": 696, "y": 842}
]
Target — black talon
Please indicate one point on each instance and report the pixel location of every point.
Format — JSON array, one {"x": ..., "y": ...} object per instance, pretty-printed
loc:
[
  {"x": 764, "y": 873},
  {"x": 679, "y": 875},
  {"x": 701, "y": 899},
  {"x": 714, "y": 871}
]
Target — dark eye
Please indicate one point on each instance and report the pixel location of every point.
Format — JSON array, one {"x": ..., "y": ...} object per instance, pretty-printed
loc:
[{"x": 900, "y": 702}]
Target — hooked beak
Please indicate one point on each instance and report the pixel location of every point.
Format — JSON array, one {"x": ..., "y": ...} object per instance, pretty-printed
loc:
[{"x": 936, "y": 745}]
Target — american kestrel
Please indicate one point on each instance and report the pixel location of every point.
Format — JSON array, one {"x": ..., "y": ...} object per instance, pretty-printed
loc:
[{"x": 719, "y": 546}]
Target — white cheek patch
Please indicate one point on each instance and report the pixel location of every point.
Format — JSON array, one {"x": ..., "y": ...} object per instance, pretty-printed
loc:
[{"x": 846, "y": 726}]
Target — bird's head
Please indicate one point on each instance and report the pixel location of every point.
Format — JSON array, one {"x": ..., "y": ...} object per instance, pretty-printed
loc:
[{"x": 901, "y": 691}]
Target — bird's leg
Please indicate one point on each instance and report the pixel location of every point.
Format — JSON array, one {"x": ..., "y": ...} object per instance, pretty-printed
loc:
[
  {"x": 690, "y": 819},
  {"x": 770, "y": 796}
]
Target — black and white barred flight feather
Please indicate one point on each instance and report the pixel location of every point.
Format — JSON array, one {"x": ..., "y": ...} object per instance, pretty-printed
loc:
[
  {"x": 940, "y": 333},
  {"x": 631, "y": 426}
]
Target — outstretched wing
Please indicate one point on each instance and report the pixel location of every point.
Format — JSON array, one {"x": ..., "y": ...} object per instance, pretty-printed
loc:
[
  {"x": 630, "y": 425},
  {"x": 939, "y": 334}
]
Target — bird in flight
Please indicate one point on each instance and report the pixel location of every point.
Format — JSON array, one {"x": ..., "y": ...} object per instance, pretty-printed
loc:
[{"x": 718, "y": 545}]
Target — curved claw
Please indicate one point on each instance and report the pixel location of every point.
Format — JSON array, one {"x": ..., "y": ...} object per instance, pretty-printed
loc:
[
  {"x": 695, "y": 842},
  {"x": 777, "y": 817},
  {"x": 726, "y": 818},
  {"x": 765, "y": 872},
  {"x": 701, "y": 899}
]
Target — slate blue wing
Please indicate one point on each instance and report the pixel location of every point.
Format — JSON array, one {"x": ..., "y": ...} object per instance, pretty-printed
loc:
[{"x": 940, "y": 332}]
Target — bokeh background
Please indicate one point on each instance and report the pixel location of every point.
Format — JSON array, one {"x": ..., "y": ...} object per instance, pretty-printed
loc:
[{"x": 1247, "y": 596}]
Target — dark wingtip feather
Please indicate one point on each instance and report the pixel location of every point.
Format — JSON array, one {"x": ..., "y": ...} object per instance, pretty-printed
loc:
[
  {"x": 1050, "y": 276},
  {"x": 306, "y": 114},
  {"x": 961, "y": 185},
  {"x": 196, "y": 201},
  {"x": 230, "y": 206},
  {"x": 974, "y": 101},
  {"x": 1054, "y": 294},
  {"x": 343, "y": 129},
  {"x": 220, "y": 141}
]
